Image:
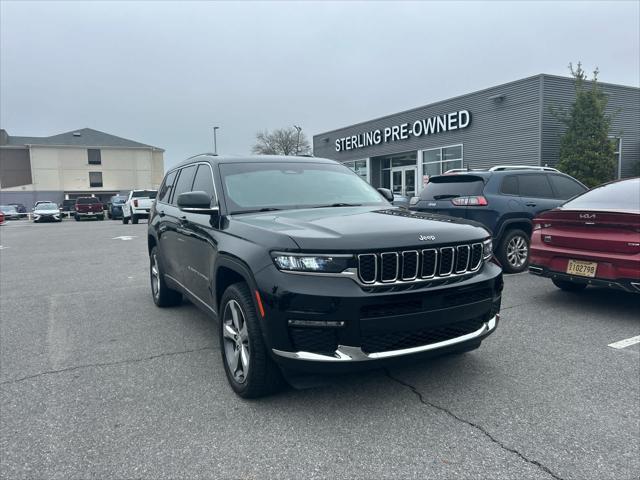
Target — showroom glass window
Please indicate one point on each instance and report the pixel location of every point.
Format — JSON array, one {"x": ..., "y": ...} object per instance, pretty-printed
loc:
[
  {"x": 94, "y": 156},
  {"x": 399, "y": 160},
  {"x": 436, "y": 161},
  {"x": 359, "y": 167},
  {"x": 95, "y": 179}
]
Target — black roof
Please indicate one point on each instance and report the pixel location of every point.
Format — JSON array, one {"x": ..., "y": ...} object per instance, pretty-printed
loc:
[{"x": 218, "y": 159}]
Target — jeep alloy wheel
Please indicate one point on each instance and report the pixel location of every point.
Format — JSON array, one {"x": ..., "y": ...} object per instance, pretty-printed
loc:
[{"x": 236, "y": 341}]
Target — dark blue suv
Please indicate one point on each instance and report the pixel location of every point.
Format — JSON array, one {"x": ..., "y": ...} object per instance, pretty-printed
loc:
[{"x": 505, "y": 201}]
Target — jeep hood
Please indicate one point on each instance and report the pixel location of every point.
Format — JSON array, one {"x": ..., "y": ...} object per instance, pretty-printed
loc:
[{"x": 363, "y": 228}]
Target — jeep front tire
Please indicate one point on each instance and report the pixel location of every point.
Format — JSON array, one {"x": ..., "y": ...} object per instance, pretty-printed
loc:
[{"x": 249, "y": 368}]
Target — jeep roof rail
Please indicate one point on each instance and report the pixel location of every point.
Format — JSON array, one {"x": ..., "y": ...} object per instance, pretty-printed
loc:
[{"x": 500, "y": 168}]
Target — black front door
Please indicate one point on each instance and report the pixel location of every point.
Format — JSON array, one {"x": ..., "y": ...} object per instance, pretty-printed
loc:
[{"x": 200, "y": 233}]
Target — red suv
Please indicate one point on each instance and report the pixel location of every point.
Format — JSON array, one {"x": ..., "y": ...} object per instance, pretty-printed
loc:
[{"x": 593, "y": 239}]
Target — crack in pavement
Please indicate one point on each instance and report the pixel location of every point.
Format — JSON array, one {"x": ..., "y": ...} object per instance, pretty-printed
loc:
[
  {"x": 104, "y": 364},
  {"x": 471, "y": 424}
]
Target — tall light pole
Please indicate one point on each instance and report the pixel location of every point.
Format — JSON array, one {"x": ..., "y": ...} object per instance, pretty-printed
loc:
[
  {"x": 215, "y": 141},
  {"x": 299, "y": 129}
]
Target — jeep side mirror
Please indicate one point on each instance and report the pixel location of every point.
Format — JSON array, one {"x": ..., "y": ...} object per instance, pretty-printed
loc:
[
  {"x": 197, "y": 202},
  {"x": 386, "y": 193}
]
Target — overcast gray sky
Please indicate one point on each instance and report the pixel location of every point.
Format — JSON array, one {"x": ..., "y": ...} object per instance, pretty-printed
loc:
[{"x": 164, "y": 73}]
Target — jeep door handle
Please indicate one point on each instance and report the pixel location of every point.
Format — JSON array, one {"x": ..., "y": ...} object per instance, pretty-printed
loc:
[
  {"x": 161, "y": 213},
  {"x": 530, "y": 204}
]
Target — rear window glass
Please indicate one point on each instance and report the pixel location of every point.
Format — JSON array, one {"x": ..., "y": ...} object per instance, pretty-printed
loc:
[
  {"x": 619, "y": 196},
  {"x": 144, "y": 194},
  {"x": 87, "y": 200},
  {"x": 452, "y": 186}
]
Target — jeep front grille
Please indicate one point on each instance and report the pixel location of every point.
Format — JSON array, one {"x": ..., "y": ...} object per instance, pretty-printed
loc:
[{"x": 411, "y": 265}]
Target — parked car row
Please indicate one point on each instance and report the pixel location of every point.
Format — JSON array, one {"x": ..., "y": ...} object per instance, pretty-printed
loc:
[{"x": 130, "y": 207}]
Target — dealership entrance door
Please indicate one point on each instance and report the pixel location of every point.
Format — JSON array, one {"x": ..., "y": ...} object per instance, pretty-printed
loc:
[{"x": 403, "y": 181}]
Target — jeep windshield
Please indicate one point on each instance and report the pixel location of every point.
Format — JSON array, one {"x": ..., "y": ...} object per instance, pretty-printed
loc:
[{"x": 251, "y": 187}]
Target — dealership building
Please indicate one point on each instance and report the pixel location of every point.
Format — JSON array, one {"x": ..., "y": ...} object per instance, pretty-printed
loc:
[
  {"x": 78, "y": 163},
  {"x": 509, "y": 124}
]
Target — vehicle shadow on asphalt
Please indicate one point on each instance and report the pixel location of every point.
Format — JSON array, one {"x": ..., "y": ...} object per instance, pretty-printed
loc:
[{"x": 625, "y": 306}]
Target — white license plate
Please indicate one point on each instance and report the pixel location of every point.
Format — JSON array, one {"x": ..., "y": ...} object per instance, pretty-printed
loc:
[{"x": 582, "y": 269}]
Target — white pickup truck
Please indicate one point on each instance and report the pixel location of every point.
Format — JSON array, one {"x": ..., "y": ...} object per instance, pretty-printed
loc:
[{"x": 138, "y": 205}]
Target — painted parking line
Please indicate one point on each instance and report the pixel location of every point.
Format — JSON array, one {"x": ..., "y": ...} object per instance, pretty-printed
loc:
[{"x": 625, "y": 343}]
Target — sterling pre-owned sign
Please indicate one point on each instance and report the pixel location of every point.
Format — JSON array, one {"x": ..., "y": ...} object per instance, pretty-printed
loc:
[{"x": 428, "y": 126}]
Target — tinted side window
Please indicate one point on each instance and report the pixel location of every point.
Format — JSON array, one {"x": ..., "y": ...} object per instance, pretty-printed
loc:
[
  {"x": 167, "y": 186},
  {"x": 510, "y": 185},
  {"x": 534, "y": 185},
  {"x": 184, "y": 182},
  {"x": 565, "y": 187},
  {"x": 204, "y": 181}
]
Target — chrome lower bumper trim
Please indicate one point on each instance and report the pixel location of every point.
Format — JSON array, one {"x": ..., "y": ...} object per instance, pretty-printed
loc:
[{"x": 346, "y": 353}]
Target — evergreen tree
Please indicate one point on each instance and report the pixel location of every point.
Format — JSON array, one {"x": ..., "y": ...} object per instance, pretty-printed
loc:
[{"x": 586, "y": 151}]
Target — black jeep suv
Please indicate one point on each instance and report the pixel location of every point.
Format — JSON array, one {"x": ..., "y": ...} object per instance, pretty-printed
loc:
[{"x": 310, "y": 269}]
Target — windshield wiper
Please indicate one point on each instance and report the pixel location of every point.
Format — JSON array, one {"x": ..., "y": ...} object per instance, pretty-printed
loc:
[
  {"x": 339, "y": 204},
  {"x": 265, "y": 209},
  {"x": 448, "y": 195}
]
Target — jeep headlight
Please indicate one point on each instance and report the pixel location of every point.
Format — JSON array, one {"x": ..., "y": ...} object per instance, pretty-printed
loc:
[
  {"x": 295, "y": 262},
  {"x": 487, "y": 249}
]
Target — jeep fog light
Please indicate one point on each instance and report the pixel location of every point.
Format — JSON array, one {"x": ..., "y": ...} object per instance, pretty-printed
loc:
[
  {"x": 311, "y": 263},
  {"x": 487, "y": 249}
]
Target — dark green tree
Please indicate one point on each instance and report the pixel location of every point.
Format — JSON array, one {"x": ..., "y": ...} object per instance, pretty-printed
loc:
[{"x": 586, "y": 150}]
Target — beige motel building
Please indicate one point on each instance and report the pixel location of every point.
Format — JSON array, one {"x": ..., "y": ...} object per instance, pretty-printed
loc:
[{"x": 83, "y": 162}]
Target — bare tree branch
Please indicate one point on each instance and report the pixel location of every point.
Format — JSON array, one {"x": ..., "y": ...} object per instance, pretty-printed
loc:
[{"x": 282, "y": 141}]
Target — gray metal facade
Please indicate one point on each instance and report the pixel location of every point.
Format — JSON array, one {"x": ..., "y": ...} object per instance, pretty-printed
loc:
[
  {"x": 510, "y": 124},
  {"x": 623, "y": 105}
]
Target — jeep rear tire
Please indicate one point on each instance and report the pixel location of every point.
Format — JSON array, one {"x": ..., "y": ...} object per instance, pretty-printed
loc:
[
  {"x": 125, "y": 220},
  {"x": 250, "y": 370},
  {"x": 134, "y": 218},
  {"x": 513, "y": 251},
  {"x": 163, "y": 296}
]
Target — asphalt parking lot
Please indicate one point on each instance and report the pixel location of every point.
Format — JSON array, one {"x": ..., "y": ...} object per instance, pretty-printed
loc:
[{"x": 96, "y": 382}]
